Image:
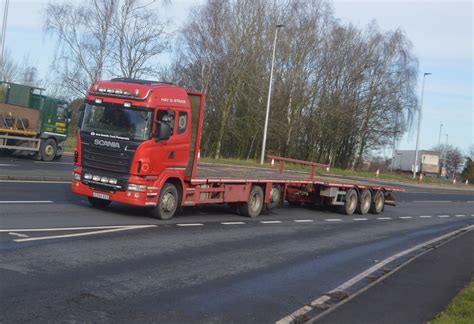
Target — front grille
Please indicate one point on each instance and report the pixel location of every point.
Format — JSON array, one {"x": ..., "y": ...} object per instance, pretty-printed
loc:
[{"x": 106, "y": 159}]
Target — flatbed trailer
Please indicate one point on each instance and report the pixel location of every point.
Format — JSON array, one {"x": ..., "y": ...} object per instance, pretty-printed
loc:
[{"x": 160, "y": 169}]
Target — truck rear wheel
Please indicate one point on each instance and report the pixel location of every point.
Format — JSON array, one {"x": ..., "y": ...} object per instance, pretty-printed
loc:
[
  {"x": 48, "y": 150},
  {"x": 167, "y": 202},
  {"x": 365, "y": 202},
  {"x": 378, "y": 203},
  {"x": 99, "y": 203},
  {"x": 350, "y": 203},
  {"x": 275, "y": 197},
  {"x": 254, "y": 205}
]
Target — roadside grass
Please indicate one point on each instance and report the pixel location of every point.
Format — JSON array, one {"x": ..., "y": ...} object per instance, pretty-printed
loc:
[
  {"x": 70, "y": 144},
  {"x": 460, "y": 310},
  {"x": 335, "y": 171}
]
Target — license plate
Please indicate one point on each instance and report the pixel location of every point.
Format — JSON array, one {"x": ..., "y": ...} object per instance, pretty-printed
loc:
[{"x": 100, "y": 195}]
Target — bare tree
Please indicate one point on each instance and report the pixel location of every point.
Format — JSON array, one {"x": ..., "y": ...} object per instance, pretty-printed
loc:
[{"x": 101, "y": 38}]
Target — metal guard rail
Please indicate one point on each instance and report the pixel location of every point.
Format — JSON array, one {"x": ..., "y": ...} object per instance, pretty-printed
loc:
[{"x": 281, "y": 161}]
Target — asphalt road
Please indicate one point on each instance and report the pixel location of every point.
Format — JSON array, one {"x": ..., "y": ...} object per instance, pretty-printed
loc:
[{"x": 82, "y": 264}]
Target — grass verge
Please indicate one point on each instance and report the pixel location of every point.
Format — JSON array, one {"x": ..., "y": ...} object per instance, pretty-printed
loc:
[{"x": 460, "y": 310}]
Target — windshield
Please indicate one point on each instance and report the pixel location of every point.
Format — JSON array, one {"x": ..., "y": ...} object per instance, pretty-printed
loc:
[{"x": 117, "y": 122}]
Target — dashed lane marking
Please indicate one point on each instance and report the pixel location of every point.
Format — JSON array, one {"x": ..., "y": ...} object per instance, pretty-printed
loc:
[
  {"x": 443, "y": 216},
  {"x": 67, "y": 228},
  {"x": 405, "y": 217},
  {"x": 384, "y": 218},
  {"x": 189, "y": 224},
  {"x": 425, "y": 216},
  {"x": 270, "y": 222},
  {"x": 69, "y": 163},
  {"x": 432, "y": 201},
  {"x": 360, "y": 219},
  {"x": 233, "y": 223},
  {"x": 25, "y": 201},
  {"x": 333, "y": 220},
  {"x": 303, "y": 220},
  {"x": 460, "y": 215}
]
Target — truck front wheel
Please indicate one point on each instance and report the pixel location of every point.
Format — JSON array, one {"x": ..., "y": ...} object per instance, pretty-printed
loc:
[
  {"x": 167, "y": 203},
  {"x": 254, "y": 205},
  {"x": 48, "y": 150}
]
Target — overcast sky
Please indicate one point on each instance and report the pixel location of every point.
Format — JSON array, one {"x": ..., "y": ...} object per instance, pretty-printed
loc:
[{"x": 441, "y": 32}]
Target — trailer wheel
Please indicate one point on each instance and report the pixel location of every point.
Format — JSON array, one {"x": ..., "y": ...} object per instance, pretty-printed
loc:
[
  {"x": 167, "y": 203},
  {"x": 48, "y": 150},
  {"x": 275, "y": 197},
  {"x": 254, "y": 205},
  {"x": 98, "y": 203},
  {"x": 378, "y": 203},
  {"x": 350, "y": 204},
  {"x": 365, "y": 202}
]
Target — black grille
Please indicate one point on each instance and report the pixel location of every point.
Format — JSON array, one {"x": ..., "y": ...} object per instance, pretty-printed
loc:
[{"x": 106, "y": 159}]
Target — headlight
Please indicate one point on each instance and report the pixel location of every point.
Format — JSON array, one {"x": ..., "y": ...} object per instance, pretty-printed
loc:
[
  {"x": 113, "y": 181},
  {"x": 96, "y": 178},
  {"x": 87, "y": 176},
  {"x": 77, "y": 176},
  {"x": 136, "y": 187}
]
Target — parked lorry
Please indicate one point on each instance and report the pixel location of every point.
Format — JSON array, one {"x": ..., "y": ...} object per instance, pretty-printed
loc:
[
  {"x": 138, "y": 144},
  {"x": 428, "y": 161},
  {"x": 32, "y": 122}
]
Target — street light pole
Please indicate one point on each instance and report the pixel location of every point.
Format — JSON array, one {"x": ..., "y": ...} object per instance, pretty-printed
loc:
[
  {"x": 439, "y": 138},
  {"x": 4, "y": 33},
  {"x": 262, "y": 156},
  {"x": 419, "y": 126}
]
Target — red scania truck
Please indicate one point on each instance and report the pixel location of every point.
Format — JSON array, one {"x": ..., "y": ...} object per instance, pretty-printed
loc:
[{"x": 139, "y": 144}]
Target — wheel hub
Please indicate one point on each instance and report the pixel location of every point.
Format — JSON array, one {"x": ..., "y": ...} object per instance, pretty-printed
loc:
[{"x": 168, "y": 202}]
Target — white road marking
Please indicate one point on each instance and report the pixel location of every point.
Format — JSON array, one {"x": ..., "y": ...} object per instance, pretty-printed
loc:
[
  {"x": 425, "y": 216},
  {"x": 35, "y": 181},
  {"x": 405, "y": 217},
  {"x": 7, "y": 165},
  {"x": 460, "y": 215},
  {"x": 53, "y": 162},
  {"x": 343, "y": 287},
  {"x": 189, "y": 224},
  {"x": 270, "y": 222},
  {"x": 360, "y": 219},
  {"x": 443, "y": 216},
  {"x": 83, "y": 234},
  {"x": 26, "y": 202},
  {"x": 333, "y": 219},
  {"x": 18, "y": 234},
  {"x": 432, "y": 201},
  {"x": 384, "y": 218},
  {"x": 303, "y": 220},
  {"x": 233, "y": 223},
  {"x": 67, "y": 228}
]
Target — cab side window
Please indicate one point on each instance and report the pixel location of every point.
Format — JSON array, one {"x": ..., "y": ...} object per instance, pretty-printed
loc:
[
  {"x": 167, "y": 116},
  {"x": 182, "y": 121}
]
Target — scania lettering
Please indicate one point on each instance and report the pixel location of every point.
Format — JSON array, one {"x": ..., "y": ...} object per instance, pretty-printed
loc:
[{"x": 138, "y": 144}]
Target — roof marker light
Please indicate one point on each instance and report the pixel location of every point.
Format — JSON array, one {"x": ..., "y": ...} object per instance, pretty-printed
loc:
[
  {"x": 101, "y": 90},
  {"x": 127, "y": 104},
  {"x": 118, "y": 91},
  {"x": 137, "y": 92},
  {"x": 98, "y": 100}
]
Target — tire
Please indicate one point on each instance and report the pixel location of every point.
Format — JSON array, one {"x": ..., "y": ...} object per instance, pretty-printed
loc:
[
  {"x": 6, "y": 152},
  {"x": 98, "y": 203},
  {"x": 365, "y": 201},
  {"x": 351, "y": 202},
  {"x": 48, "y": 150},
  {"x": 275, "y": 198},
  {"x": 168, "y": 202},
  {"x": 254, "y": 205},
  {"x": 378, "y": 203}
]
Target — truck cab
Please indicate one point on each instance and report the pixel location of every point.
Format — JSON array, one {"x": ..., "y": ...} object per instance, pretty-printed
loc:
[{"x": 135, "y": 135}]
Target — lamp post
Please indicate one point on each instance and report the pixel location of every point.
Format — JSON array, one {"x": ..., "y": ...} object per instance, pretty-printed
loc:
[
  {"x": 262, "y": 156},
  {"x": 439, "y": 137},
  {"x": 419, "y": 126},
  {"x": 4, "y": 33}
]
